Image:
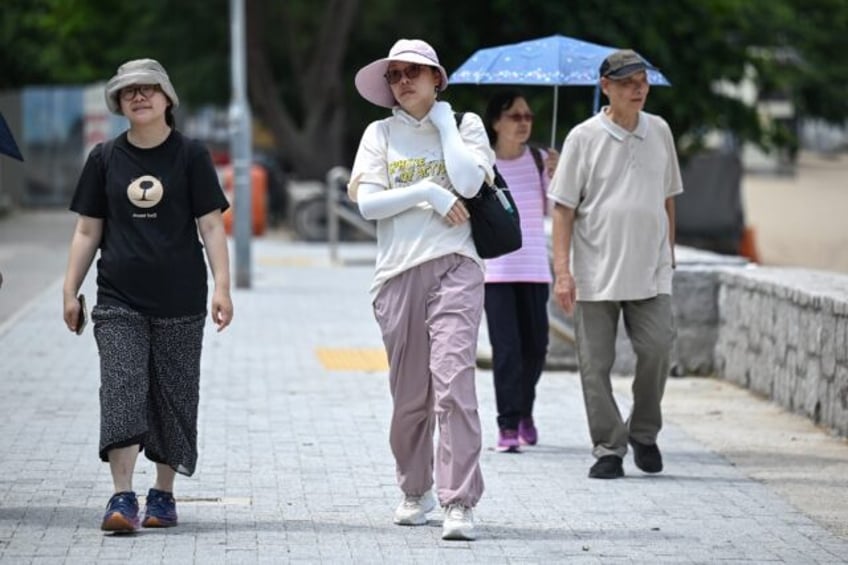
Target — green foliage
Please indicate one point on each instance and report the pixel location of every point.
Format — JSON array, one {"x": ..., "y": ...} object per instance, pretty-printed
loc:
[
  {"x": 795, "y": 48},
  {"x": 21, "y": 38},
  {"x": 819, "y": 31},
  {"x": 82, "y": 41}
]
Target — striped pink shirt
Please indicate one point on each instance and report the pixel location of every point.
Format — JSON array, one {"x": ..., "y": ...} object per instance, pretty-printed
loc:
[{"x": 528, "y": 188}]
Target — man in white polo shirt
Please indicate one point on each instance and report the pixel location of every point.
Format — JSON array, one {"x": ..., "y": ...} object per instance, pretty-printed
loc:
[{"x": 613, "y": 244}]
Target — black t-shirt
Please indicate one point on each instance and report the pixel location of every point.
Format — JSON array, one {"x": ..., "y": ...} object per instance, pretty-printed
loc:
[{"x": 151, "y": 257}]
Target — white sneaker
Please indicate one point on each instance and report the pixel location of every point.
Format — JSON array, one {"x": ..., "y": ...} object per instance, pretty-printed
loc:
[
  {"x": 413, "y": 510},
  {"x": 459, "y": 523}
]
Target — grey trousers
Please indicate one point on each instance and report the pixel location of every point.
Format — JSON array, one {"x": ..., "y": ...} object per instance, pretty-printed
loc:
[{"x": 650, "y": 327}]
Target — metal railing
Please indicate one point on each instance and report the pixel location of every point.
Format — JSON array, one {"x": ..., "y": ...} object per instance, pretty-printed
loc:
[{"x": 337, "y": 212}]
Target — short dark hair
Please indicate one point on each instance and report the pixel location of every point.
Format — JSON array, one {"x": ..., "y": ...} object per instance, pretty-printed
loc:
[{"x": 499, "y": 103}]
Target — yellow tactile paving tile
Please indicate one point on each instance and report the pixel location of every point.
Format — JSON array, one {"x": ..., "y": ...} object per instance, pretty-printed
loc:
[{"x": 352, "y": 359}]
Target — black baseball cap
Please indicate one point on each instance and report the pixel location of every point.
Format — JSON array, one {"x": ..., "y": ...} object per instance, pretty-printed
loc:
[{"x": 623, "y": 63}]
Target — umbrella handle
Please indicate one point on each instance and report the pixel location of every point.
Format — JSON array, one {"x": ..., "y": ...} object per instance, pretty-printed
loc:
[
  {"x": 596, "y": 105},
  {"x": 553, "y": 125}
]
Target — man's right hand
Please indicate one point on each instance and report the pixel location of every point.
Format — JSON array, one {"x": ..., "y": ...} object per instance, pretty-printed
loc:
[{"x": 565, "y": 292}]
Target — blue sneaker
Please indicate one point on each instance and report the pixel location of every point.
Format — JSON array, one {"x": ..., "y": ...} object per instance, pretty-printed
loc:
[
  {"x": 161, "y": 510},
  {"x": 121, "y": 513}
]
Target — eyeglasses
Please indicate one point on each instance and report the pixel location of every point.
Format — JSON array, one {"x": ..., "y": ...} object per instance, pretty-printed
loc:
[
  {"x": 518, "y": 117},
  {"x": 146, "y": 90},
  {"x": 411, "y": 72}
]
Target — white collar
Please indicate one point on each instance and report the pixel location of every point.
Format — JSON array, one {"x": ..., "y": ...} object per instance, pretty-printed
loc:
[
  {"x": 409, "y": 119},
  {"x": 619, "y": 132}
]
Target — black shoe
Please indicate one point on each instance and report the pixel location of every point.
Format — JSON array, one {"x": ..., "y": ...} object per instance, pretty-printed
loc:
[
  {"x": 607, "y": 467},
  {"x": 647, "y": 457}
]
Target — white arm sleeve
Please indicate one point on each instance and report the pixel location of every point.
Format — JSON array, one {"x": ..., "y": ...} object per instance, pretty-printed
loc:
[
  {"x": 377, "y": 203},
  {"x": 463, "y": 169}
]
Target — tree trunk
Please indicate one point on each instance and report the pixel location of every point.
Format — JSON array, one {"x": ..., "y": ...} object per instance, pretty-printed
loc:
[{"x": 314, "y": 143}]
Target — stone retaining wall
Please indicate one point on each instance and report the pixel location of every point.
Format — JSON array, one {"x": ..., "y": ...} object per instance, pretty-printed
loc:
[
  {"x": 695, "y": 303},
  {"x": 784, "y": 333}
]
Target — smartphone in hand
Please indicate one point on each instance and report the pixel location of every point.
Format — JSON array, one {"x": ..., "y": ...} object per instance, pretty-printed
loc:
[{"x": 82, "y": 320}]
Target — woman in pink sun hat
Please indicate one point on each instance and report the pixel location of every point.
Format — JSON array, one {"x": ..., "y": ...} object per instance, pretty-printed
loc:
[{"x": 410, "y": 173}]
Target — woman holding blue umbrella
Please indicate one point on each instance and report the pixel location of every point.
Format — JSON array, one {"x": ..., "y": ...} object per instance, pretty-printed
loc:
[{"x": 517, "y": 284}]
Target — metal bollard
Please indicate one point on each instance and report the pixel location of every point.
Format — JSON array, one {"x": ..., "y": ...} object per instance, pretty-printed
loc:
[{"x": 336, "y": 177}]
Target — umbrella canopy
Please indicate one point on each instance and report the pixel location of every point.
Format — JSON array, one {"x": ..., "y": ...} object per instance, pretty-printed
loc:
[
  {"x": 7, "y": 141},
  {"x": 555, "y": 61}
]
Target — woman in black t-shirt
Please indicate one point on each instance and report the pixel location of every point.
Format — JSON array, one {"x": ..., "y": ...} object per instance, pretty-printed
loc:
[{"x": 142, "y": 199}]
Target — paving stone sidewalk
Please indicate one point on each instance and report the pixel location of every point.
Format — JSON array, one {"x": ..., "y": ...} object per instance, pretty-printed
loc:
[{"x": 295, "y": 465}]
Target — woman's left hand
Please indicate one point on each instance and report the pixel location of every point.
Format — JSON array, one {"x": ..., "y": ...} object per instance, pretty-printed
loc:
[{"x": 458, "y": 214}]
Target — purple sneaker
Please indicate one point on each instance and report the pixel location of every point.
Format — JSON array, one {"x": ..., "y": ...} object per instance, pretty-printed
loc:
[
  {"x": 121, "y": 513},
  {"x": 508, "y": 441},
  {"x": 527, "y": 433}
]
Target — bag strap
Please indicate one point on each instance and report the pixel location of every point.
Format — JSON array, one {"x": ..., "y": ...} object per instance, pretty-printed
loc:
[
  {"x": 106, "y": 149},
  {"x": 537, "y": 157},
  {"x": 540, "y": 165}
]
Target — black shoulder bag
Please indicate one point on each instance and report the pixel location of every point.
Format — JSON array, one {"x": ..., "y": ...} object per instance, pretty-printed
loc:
[{"x": 495, "y": 225}]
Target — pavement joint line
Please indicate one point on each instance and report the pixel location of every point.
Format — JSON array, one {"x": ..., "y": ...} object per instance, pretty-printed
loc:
[{"x": 212, "y": 500}]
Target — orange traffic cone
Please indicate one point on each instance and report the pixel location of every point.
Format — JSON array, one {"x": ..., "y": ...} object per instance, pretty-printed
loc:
[{"x": 748, "y": 245}]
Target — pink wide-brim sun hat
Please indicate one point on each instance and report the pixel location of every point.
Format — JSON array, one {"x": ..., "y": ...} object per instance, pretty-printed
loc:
[{"x": 371, "y": 82}]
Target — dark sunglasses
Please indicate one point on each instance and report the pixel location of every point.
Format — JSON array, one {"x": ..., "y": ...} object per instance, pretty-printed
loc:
[
  {"x": 146, "y": 90},
  {"x": 411, "y": 72},
  {"x": 518, "y": 117}
]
